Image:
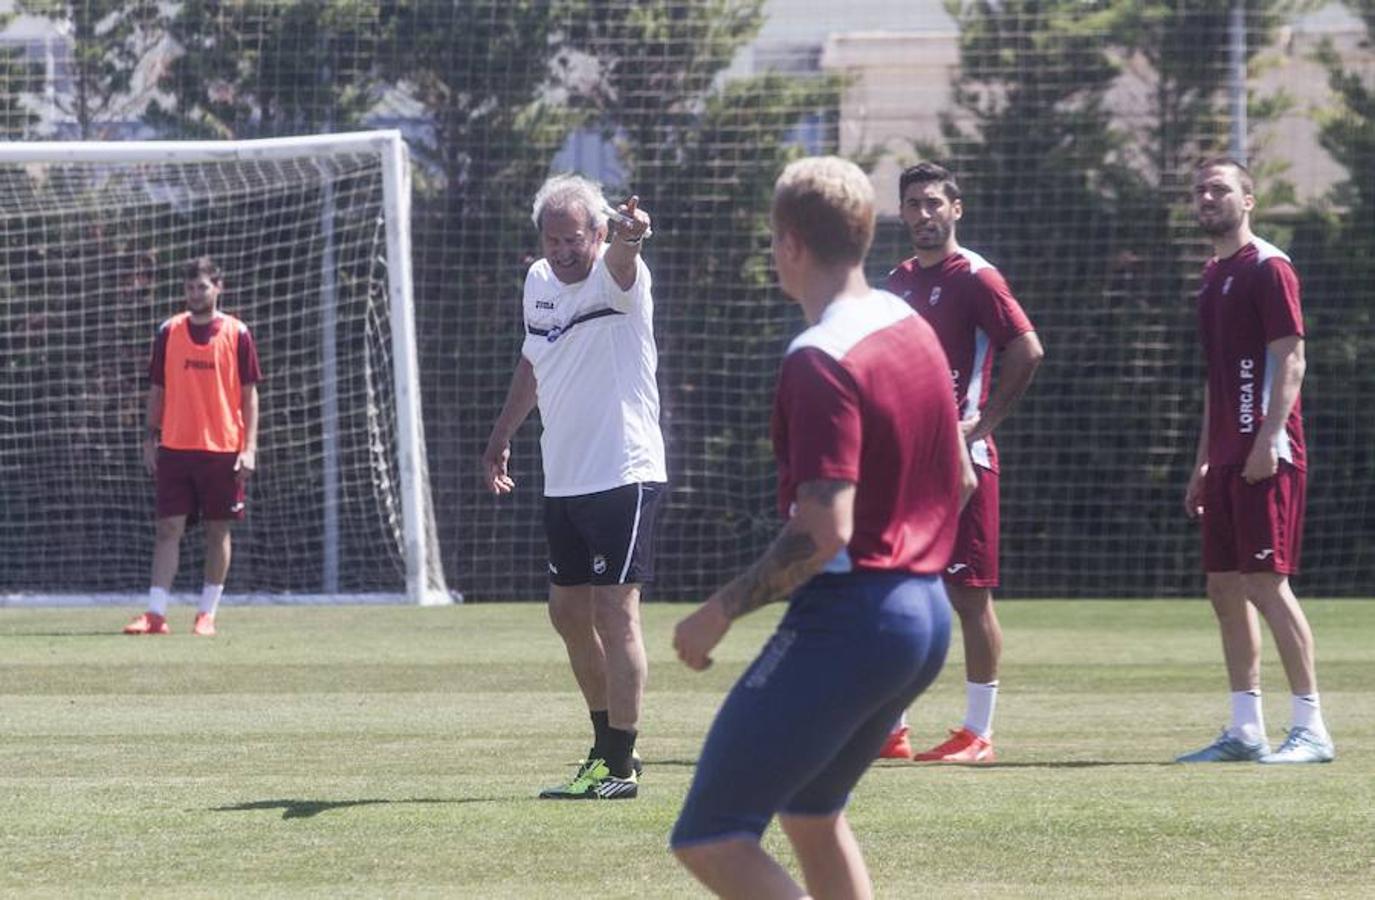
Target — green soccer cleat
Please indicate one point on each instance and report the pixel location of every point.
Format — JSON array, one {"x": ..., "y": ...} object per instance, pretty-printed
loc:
[
  {"x": 635, "y": 763},
  {"x": 1303, "y": 745},
  {"x": 1227, "y": 749},
  {"x": 594, "y": 781}
]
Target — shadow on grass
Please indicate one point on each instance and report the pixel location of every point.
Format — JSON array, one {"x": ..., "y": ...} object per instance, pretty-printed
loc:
[
  {"x": 683, "y": 763},
  {"x": 1062, "y": 764},
  {"x": 63, "y": 634},
  {"x": 305, "y": 809}
]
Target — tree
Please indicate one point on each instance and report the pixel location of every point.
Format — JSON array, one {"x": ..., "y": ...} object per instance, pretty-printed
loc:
[
  {"x": 259, "y": 68},
  {"x": 17, "y": 79},
  {"x": 1184, "y": 46},
  {"x": 1348, "y": 133},
  {"x": 704, "y": 157},
  {"x": 1053, "y": 201},
  {"x": 1334, "y": 246},
  {"x": 112, "y": 44}
]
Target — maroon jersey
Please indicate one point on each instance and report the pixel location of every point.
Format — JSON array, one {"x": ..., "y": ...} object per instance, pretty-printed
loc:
[
  {"x": 249, "y": 371},
  {"x": 972, "y": 309},
  {"x": 864, "y": 397},
  {"x": 1247, "y": 300}
]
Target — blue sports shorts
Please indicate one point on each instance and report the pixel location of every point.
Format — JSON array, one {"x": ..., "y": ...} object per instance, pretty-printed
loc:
[{"x": 812, "y": 711}]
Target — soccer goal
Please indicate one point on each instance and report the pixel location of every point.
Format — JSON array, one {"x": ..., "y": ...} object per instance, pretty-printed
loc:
[{"x": 312, "y": 235}]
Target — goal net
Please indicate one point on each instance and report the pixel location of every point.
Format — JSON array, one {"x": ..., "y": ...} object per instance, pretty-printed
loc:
[{"x": 312, "y": 237}]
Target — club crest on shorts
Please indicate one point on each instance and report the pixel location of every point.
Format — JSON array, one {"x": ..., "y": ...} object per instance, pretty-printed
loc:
[{"x": 599, "y": 564}]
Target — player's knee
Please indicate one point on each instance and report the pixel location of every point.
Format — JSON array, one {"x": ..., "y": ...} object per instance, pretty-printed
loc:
[
  {"x": 169, "y": 529},
  {"x": 615, "y": 616},
  {"x": 1227, "y": 593},
  {"x": 809, "y": 830},
  {"x": 1262, "y": 586},
  {"x": 970, "y": 603},
  {"x": 702, "y": 859},
  {"x": 570, "y": 616}
]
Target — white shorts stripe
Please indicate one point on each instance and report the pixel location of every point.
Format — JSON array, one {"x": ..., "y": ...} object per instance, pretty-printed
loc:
[{"x": 634, "y": 533}]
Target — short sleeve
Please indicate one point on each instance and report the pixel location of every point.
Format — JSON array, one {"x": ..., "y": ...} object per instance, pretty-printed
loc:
[
  {"x": 999, "y": 314},
  {"x": 1277, "y": 301},
  {"x": 638, "y": 297},
  {"x": 157, "y": 362},
  {"x": 249, "y": 370},
  {"x": 895, "y": 283},
  {"x": 819, "y": 404},
  {"x": 528, "y": 348}
]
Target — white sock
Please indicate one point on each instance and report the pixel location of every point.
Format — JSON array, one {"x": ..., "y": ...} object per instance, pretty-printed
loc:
[
  {"x": 900, "y": 724},
  {"x": 1248, "y": 720},
  {"x": 210, "y": 598},
  {"x": 979, "y": 701},
  {"x": 1307, "y": 713},
  {"x": 158, "y": 599}
]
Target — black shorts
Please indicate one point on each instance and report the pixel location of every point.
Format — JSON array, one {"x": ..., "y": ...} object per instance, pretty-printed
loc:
[{"x": 603, "y": 538}]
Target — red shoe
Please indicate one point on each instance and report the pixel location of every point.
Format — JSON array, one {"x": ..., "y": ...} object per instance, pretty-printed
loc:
[
  {"x": 205, "y": 625},
  {"x": 148, "y": 623},
  {"x": 897, "y": 746},
  {"x": 964, "y": 746}
]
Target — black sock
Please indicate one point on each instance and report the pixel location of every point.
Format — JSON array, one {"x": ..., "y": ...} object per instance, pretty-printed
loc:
[
  {"x": 620, "y": 744},
  {"x": 601, "y": 724}
]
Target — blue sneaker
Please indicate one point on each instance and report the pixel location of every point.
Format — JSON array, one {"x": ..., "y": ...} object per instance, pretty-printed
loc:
[
  {"x": 1303, "y": 745},
  {"x": 1228, "y": 749}
]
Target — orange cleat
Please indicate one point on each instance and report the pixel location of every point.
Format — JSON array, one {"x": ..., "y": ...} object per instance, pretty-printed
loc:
[
  {"x": 897, "y": 745},
  {"x": 964, "y": 746},
  {"x": 205, "y": 625},
  {"x": 148, "y": 623}
]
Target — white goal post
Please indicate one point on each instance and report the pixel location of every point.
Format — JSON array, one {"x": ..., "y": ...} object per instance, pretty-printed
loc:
[{"x": 313, "y": 236}]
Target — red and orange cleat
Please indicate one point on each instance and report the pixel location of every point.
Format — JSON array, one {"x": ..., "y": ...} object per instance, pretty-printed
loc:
[
  {"x": 148, "y": 623},
  {"x": 897, "y": 745},
  {"x": 964, "y": 746},
  {"x": 204, "y": 626}
]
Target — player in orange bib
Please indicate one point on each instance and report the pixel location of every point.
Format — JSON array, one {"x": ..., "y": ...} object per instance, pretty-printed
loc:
[{"x": 202, "y": 440}]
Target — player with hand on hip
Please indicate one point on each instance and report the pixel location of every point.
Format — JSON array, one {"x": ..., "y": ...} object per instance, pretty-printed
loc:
[{"x": 973, "y": 312}]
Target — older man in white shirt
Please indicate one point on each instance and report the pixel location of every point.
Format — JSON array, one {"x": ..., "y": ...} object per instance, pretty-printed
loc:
[{"x": 589, "y": 362}]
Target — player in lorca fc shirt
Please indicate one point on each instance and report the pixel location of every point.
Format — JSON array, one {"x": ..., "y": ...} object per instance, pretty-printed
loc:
[
  {"x": 1247, "y": 486},
  {"x": 974, "y": 314}
]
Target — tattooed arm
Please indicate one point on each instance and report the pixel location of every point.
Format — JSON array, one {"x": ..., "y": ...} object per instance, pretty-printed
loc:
[{"x": 819, "y": 529}]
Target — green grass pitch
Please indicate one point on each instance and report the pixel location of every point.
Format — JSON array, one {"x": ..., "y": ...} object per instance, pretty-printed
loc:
[{"x": 370, "y": 752}]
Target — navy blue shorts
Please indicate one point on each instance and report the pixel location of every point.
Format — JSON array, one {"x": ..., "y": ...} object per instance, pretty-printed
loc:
[
  {"x": 812, "y": 711},
  {"x": 604, "y": 538}
]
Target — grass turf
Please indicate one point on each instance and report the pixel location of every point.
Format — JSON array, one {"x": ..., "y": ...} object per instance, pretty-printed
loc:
[{"x": 363, "y": 751}]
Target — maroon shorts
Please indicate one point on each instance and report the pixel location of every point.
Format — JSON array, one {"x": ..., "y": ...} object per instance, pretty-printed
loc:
[
  {"x": 1253, "y": 527},
  {"x": 199, "y": 485},
  {"x": 974, "y": 562}
]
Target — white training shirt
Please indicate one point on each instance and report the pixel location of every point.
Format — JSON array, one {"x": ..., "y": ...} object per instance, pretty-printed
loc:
[{"x": 596, "y": 381}]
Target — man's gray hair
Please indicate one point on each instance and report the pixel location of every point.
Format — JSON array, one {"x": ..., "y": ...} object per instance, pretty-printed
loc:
[{"x": 562, "y": 192}]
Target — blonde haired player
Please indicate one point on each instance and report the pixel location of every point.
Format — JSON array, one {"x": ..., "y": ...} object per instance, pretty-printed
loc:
[{"x": 871, "y": 475}]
